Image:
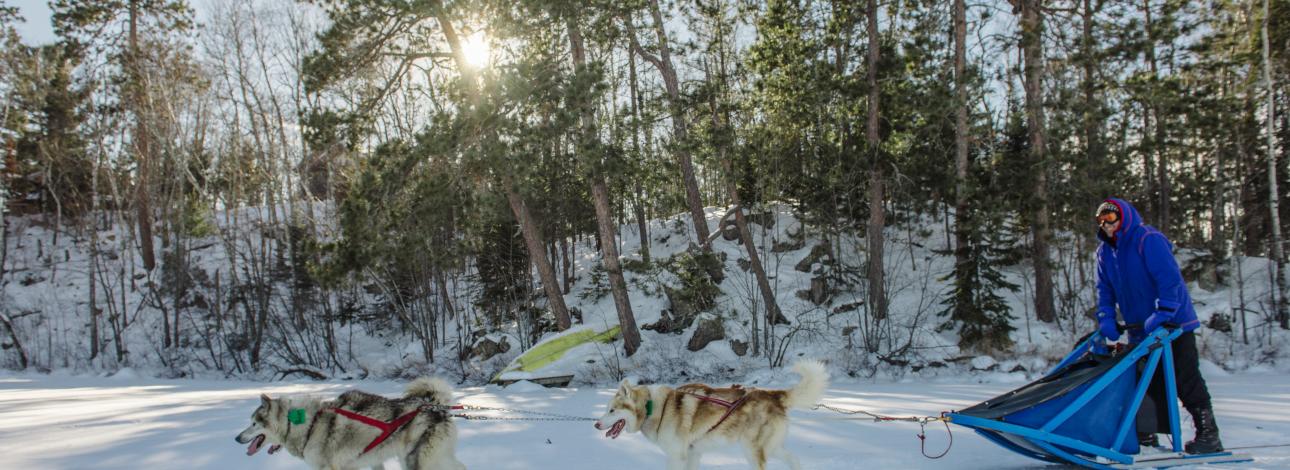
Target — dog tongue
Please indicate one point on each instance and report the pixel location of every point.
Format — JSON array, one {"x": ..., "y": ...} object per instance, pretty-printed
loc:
[
  {"x": 255, "y": 445},
  {"x": 616, "y": 429}
]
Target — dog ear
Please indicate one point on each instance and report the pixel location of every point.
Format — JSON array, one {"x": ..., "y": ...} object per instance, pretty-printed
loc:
[
  {"x": 264, "y": 399},
  {"x": 625, "y": 385}
]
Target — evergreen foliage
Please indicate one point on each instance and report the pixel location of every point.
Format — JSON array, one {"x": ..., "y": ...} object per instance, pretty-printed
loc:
[{"x": 358, "y": 166}]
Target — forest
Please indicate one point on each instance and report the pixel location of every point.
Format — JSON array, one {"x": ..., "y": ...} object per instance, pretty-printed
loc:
[{"x": 274, "y": 188}]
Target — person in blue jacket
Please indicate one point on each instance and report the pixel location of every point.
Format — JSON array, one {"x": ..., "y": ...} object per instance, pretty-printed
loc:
[{"x": 1137, "y": 272}]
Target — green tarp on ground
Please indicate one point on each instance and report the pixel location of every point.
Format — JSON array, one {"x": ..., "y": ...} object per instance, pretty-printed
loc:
[{"x": 550, "y": 351}]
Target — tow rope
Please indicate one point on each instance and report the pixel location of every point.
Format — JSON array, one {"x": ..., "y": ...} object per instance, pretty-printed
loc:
[
  {"x": 542, "y": 415},
  {"x": 921, "y": 420},
  {"x": 1269, "y": 446},
  {"x": 388, "y": 428}
]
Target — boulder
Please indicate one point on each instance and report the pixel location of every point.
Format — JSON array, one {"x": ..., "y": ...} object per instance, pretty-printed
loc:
[
  {"x": 765, "y": 219},
  {"x": 739, "y": 347},
  {"x": 818, "y": 253},
  {"x": 682, "y": 310},
  {"x": 792, "y": 244},
  {"x": 487, "y": 348},
  {"x": 819, "y": 293},
  {"x": 730, "y": 231},
  {"x": 710, "y": 329}
]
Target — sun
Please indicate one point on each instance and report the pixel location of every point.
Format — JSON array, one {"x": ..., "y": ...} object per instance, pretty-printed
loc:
[{"x": 476, "y": 50}]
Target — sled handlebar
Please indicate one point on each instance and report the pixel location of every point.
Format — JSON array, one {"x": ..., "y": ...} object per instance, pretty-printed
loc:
[
  {"x": 1123, "y": 327},
  {"x": 1138, "y": 326}
]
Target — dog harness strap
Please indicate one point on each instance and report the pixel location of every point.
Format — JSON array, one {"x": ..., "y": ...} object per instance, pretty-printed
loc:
[
  {"x": 661, "y": 411},
  {"x": 730, "y": 410},
  {"x": 387, "y": 427},
  {"x": 730, "y": 406}
]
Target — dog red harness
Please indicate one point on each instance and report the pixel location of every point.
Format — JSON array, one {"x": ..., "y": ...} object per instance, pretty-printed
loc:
[{"x": 387, "y": 427}]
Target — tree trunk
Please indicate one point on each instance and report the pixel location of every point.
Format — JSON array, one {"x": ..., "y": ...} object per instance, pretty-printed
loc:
[
  {"x": 1032, "y": 23},
  {"x": 533, "y": 240},
  {"x": 1274, "y": 205},
  {"x": 681, "y": 134},
  {"x": 877, "y": 218},
  {"x": 94, "y": 281},
  {"x": 721, "y": 125},
  {"x": 961, "y": 227},
  {"x": 604, "y": 214},
  {"x": 618, "y": 285},
  {"x": 773, "y": 314},
  {"x": 1092, "y": 135},
  {"x": 642, "y": 224},
  {"x": 4, "y": 239},
  {"x": 142, "y": 145},
  {"x": 17, "y": 344},
  {"x": 1148, "y": 167},
  {"x": 566, "y": 264},
  {"x": 1158, "y": 132}
]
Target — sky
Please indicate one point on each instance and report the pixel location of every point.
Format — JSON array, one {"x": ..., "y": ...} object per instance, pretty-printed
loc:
[{"x": 37, "y": 29}]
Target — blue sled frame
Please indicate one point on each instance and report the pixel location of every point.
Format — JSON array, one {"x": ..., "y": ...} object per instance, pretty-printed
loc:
[{"x": 1043, "y": 444}]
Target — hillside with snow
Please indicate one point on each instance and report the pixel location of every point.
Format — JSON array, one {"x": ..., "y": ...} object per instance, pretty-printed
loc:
[
  {"x": 68, "y": 411},
  {"x": 815, "y": 278}
]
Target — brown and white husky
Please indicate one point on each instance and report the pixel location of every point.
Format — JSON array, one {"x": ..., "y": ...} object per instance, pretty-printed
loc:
[{"x": 687, "y": 420}]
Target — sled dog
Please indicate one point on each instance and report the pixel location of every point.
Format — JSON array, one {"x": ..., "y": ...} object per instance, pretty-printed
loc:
[
  {"x": 689, "y": 419},
  {"x": 346, "y": 433}
]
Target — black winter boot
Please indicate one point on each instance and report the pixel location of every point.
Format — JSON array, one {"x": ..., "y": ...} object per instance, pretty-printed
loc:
[
  {"x": 1148, "y": 440},
  {"x": 1207, "y": 441}
]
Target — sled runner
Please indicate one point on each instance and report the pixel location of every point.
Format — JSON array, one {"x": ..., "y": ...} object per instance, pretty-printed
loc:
[{"x": 1083, "y": 412}]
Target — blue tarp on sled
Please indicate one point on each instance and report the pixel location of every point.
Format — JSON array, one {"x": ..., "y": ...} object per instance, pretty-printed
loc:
[{"x": 1083, "y": 412}]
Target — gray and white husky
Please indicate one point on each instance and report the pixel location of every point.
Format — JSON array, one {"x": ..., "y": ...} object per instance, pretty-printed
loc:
[{"x": 333, "y": 434}]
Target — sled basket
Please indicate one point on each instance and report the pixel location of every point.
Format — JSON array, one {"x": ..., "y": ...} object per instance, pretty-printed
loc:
[{"x": 1083, "y": 411}]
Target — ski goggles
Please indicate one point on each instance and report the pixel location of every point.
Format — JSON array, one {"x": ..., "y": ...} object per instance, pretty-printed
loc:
[{"x": 1107, "y": 218}]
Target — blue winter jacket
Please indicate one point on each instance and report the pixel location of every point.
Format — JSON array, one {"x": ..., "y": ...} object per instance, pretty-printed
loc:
[{"x": 1136, "y": 271}]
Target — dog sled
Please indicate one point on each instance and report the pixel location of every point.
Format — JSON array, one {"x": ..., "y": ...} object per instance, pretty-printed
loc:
[{"x": 1084, "y": 411}]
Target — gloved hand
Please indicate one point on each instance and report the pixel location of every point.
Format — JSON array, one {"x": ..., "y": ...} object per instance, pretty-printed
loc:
[
  {"x": 1106, "y": 325},
  {"x": 1155, "y": 320},
  {"x": 1098, "y": 344}
]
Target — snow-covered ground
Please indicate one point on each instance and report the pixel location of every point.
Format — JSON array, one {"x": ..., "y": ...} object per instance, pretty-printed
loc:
[{"x": 127, "y": 421}]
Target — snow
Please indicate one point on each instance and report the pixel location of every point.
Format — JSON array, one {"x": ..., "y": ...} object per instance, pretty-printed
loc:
[
  {"x": 49, "y": 307},
  {"x": 75, "y": 422}
]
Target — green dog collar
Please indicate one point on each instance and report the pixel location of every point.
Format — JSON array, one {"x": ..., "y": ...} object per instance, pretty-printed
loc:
[
  {"x": 296, "y": 416},
  {"x": 649, "y": 408}
]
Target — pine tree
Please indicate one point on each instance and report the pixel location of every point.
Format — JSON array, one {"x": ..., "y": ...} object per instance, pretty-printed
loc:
[
  {"x": 480, "y": 100},
  {"x": 1281, "y": 286},
  {"x": 662, "y": 61},
  {"x": 594, "y": 154},
  {"x": 1032, "y": 29},
  {"x": 975, "y": 305},
  {"x": 52, "y": 144},
  {"x": 127, "y": 25}
]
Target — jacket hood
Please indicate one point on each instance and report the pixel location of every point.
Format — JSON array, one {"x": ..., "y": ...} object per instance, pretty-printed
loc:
[{"x": 1130, "y": 220}]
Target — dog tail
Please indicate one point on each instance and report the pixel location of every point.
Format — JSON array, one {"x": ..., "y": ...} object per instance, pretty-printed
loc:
[
  {"x": 810, "y": 389},
  {"x": 432, "y": 389}
]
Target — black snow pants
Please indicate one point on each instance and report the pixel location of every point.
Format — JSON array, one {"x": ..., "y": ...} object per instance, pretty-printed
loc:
[{"x": 1153, "y": 416}]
